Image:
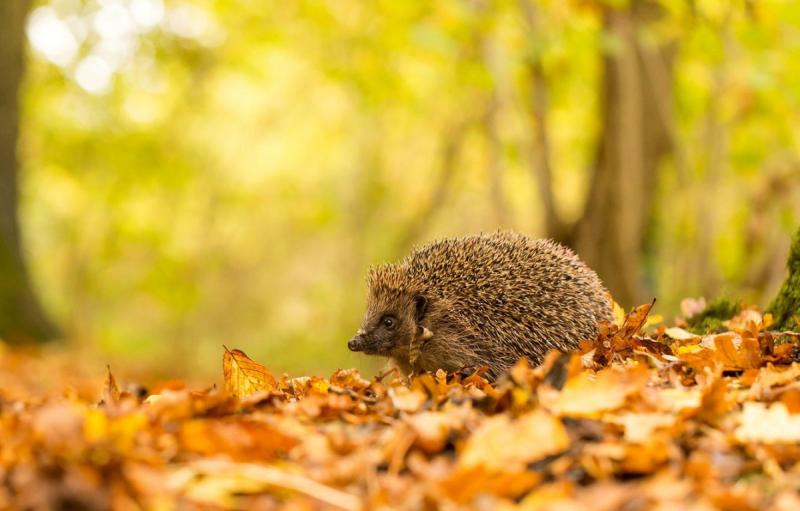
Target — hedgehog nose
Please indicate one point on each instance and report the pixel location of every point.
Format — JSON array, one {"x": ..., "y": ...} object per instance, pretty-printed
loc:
[{"x": 354, "y": 344}]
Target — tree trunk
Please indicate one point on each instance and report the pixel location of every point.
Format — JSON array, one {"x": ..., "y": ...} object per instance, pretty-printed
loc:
[
  {"x": 21, "y": 316},
  {"x": 785, "y": 308},
  {"x": 539, "y": 148},
  {"x": 635, "y": 136}
]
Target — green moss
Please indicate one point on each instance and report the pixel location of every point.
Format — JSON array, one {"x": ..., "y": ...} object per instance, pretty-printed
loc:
[
  {"x": 711, "y": 318},
  {"x": 785, "y": 308}
]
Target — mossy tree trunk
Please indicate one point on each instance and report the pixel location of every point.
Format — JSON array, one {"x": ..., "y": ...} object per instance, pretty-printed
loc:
[
  {"x": 21, "y": 316},
  {"x": 785, "y": 308}
]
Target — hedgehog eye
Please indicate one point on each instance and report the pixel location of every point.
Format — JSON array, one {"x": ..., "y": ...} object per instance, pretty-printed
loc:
[{"x": 389, "y": 322}]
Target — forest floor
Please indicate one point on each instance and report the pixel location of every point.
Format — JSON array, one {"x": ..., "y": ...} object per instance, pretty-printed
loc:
[{"x": 662, "y": 420}]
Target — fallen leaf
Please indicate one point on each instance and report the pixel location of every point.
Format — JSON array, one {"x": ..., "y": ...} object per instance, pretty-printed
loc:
[
  {"x": 243, "y": 376},
  {"x": 680, "y": 334},
  {"x": 773, "y": 424},
  {"x": 225, "y": 478},
  {"x": 791, "y": 399},
  {"x": 744, "y": 354},
  {"x": 618, "y": 313},
  {"x": 549, "y": 496},
  {"x": 636, "y": 319},
  {"x": 628, "y": 422},
  {"x": 406, "y": 399},
  {"x": 110, "y": 390},
  {"x": 772, "y": 376},
  {"x": 589, "y": 395},
  {"x": 241, "y": 440},
  {"x": 676, "y": 399},
  {"x": 535, "y": 435},
  {"x": 432, "y": 429},
  {"x": 639, "y": 427},
  {"x": 467, "y": 483}
]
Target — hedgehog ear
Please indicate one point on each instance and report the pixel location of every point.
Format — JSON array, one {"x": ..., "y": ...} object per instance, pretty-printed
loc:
[{"x": 421, "y": 305}]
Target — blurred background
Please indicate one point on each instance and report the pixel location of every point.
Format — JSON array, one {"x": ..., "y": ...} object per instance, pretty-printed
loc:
[{"x": 192, "y": 173}]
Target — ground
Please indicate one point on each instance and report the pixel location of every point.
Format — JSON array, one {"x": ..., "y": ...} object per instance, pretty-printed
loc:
[{"x": 663, "y": 418}]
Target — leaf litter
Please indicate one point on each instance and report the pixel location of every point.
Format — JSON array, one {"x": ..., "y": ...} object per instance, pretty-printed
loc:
[{"x": 632, "y": 420}]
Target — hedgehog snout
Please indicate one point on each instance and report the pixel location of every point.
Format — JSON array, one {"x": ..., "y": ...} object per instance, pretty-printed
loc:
[{"x": 357, "y": 342}]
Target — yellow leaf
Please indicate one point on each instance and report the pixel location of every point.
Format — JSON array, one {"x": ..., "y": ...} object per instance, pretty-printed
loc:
[
  {"x": 767, "y": 321},
  {"x": 619, "y": 314},
  {"x": 503, "y": 444},
  {"x": 95, "y": 426},
  {"x": 549, "y": 496},
  {"x": 320, "y": 385},
  {"x": 589, "y": 395},
  {"x": 687, "y": 348},
  {"x": 243, "y": 376},
  {"x": 653, "y": 320}
]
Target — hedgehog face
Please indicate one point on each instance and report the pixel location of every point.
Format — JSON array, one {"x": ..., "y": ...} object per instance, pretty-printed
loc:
[
  {"x": 389, "y": 325},
  {"x": 382, "y": 333}
]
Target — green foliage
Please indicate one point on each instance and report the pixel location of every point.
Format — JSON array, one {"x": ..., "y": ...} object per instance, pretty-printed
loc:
[
  {"x": 711, "y": 319},
  {"x": 227, "y": 171}
]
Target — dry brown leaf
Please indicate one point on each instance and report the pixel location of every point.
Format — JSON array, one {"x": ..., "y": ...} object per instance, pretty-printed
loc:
[
  {"x": 791, "y": 399},
  {"x": 772, "y": 376},
  {"x": 406, "y": 399},
  {"x": 646, "y": 457},
  {"x": 467, "y": 483},
  {"x": 635, "y": 320},
  {"x": 432, "y": 429},
  {"x": 241, "y": 440},
  {"x": 716, "y": 402},
  {"x": 110, "y": 390},
  {"x": 243, "y": 376},
  {"x": 744, "y": 354}
]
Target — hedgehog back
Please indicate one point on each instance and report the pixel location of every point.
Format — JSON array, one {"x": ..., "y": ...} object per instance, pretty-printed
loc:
[{"x": 521, "y": 296}]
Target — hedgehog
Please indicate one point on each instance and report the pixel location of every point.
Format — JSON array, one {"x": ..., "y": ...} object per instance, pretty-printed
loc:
[{"x": 480, "y": 300}]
